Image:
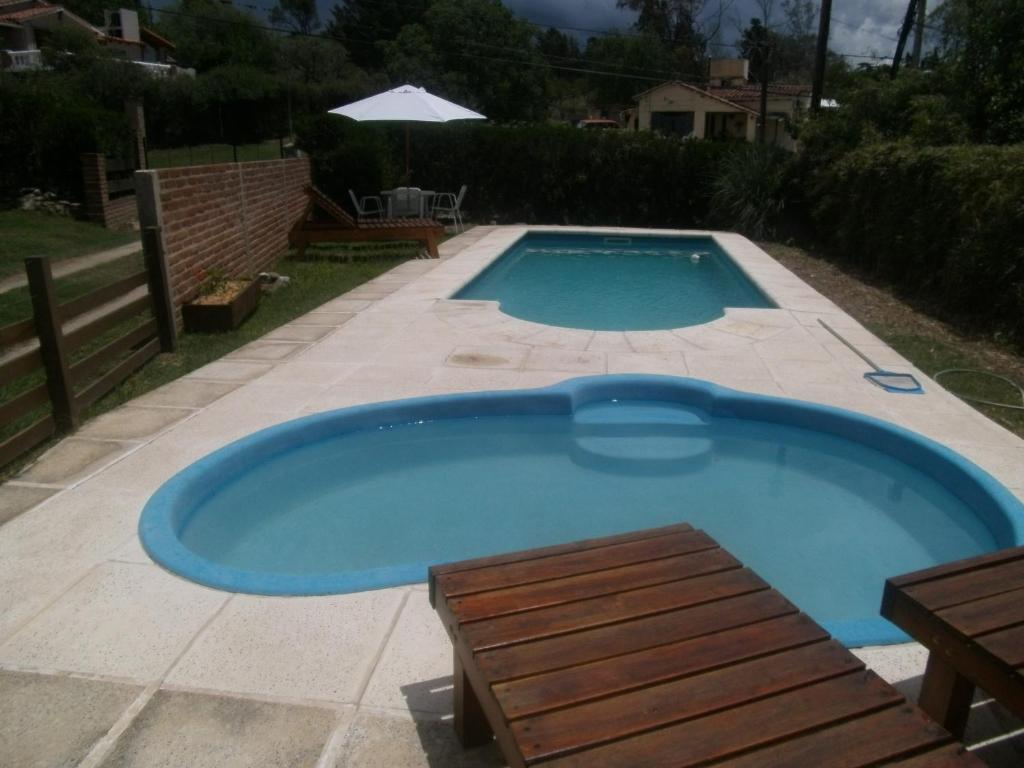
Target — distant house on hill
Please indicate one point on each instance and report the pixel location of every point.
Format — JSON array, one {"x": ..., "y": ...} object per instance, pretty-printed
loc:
[
  {"x": 727, "y": 108},
  {"x": 25, "y": 26}
]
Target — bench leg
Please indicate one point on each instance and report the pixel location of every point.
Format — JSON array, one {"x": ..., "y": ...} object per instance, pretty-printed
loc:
[
  {"x": 946, "y": 695},
  {"x": 432, "y": 246},
  {"x": 471, "y": 724}
]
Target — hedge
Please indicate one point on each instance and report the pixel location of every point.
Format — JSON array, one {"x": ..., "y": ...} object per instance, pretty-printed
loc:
[
  {"x": 941, "y": 224},
  {"x": 532, "y": 174}
]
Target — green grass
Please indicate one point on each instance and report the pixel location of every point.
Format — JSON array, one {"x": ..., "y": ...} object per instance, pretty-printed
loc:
[
  {"x": 208, "y": 154},
  {"x": 32, "y": 233},
  {"x": 933, "y": 355},
  {"x": 312, "y": 284},
  {"x": 16, "y": 304}
]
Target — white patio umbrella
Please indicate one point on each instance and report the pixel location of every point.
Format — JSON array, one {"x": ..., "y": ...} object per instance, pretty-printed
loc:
[{"x": 407, "y": 104}]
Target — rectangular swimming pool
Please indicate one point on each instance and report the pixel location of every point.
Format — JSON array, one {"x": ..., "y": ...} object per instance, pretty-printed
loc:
[{"x": 615, "y": 283}]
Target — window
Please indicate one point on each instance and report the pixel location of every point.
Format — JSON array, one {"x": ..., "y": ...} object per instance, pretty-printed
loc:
[{"x": 672, "y": 123}]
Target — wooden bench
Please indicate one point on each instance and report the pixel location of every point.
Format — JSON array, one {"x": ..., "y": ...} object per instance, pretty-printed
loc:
[
  {"x": 658, "y": 647},
  {"x": 970, "y": 615},
  {"x": 341, "y": 227}
]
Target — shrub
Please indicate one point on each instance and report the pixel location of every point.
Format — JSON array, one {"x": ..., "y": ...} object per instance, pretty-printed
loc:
[
  {"x": 943, "y": 224},
  {"x": 750, "y": 190},
  {"x": 535, "y": 174}
]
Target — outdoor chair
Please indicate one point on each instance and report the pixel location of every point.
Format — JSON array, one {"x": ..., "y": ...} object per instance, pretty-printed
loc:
[
  {"x": 339, "y": 226},
  {"x": 368, "y": 207},
  {"x": 448, "y": 205}
]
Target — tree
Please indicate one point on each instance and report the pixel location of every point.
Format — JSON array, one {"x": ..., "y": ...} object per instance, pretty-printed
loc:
[
  {"x": 758, "y": 44},
  {"x": 474, "y": 52},
  {"x": 982, "y": 58},
  {"x": 209, "y": 34},
  {"x": 684, "y": 26},
  {"x": 299, "y": 16},
  {"x": 634, "y": 63},
  {"x": 557, "y": 47},
  {"x": 365, "y": 25}
]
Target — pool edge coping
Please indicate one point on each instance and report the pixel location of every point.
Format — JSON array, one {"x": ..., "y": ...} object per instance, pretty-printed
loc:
[{"x": 159, "y": 522}]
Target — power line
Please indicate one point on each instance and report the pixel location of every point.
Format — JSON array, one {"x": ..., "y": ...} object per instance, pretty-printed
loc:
[{"x": 535, "y": 64}]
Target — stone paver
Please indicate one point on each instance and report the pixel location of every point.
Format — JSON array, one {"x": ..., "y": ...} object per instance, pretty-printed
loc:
[
  {"x": 331, "y": 645},
  {"x": 124, "y": 620},
  {"x": 51, "y": 721},
  {"x": 133, "y": 422},
  {"x": 365, "y": 679},
  {"x": 272, "y": 350},
  {"x": 15, "y": 499},
  {"x": 178, "y": 729},
  {"x": 72, "y": 459},
  {"x": 388, "y": 739},
  {"x": 187, "y": 393}
]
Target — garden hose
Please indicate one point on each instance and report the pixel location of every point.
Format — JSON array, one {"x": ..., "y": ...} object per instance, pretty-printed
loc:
[{"x": 1011, "y": 382}]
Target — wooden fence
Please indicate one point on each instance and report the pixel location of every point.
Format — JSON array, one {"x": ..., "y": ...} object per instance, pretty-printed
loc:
[{"x": 76, "y": 376}]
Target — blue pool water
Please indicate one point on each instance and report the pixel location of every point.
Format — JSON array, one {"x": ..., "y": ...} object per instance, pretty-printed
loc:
[
  {"x": 814, "y": 499},
  {"x": 608, "y": 283}
]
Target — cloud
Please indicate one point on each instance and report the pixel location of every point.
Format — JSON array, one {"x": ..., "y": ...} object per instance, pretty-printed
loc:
[{"x": 867, "y": 27}]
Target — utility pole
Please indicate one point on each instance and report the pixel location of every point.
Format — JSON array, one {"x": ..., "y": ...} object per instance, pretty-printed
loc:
[
  {"x": 824, "y": 23},
  {"x": 915, "y": 55},
  {"x": 901, "y": 44}
]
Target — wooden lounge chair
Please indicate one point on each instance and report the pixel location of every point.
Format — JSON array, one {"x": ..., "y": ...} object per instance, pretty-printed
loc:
[
  {"x": 658, "y": 648},
  {"x": 970, "y": 615},
  {"x": 341, "y": 227}
]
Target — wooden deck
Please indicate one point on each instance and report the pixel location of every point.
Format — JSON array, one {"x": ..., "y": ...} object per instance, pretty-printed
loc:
[
  {"x": 970, "y": 615},
  {"x": 658, "y": 647}
]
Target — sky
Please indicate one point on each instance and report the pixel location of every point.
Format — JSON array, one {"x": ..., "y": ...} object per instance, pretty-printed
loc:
[{"x": 858, "y": 26}]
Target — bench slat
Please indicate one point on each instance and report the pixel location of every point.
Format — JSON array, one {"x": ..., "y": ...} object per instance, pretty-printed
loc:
[
  {"x": 1007, "y": 644},
  {"x": 648, "y": 632},
  {"x": 606, "y": 720},
  {"x": 531, "y": 695},
  {"x": 965, "y": 587},
  {"x": 557, "y": 549},
  {"x": 610, "y": 609},
  {"x": 987, "y": 614},
  {"x": 868, "y": 741},
  {"x": 557, "y": 566},
  {"x": 959, "y": 566},
  {"x": 557, "y": 591},
  {"x": 746, "y": 727}
]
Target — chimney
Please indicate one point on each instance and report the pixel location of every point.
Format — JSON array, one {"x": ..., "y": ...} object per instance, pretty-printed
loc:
[
  {"x": 123, "y": 23},
  {"x": 728, "y": 72}
]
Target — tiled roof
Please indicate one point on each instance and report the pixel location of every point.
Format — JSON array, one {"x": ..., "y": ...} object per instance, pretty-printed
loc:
[
  {"x": 753, "y": 91},
  {"x": 28, "y": 13},
  {"x": 702, "y": 92},
  {"x": 154, "y": 39}
]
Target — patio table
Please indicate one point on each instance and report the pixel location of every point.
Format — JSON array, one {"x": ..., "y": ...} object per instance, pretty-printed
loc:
[
  {"x": 426, "y": 198},
  {"x": 658, "y": 647}
]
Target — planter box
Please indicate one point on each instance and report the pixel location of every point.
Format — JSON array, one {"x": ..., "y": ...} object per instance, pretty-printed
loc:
[{"x": 216, "y": 318}]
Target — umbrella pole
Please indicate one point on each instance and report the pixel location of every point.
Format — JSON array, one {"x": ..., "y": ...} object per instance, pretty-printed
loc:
[{"x": 408, "y": 172}]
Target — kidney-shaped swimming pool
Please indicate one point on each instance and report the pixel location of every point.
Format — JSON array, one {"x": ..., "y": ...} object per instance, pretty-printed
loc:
[{"x": 824, "y": 503}]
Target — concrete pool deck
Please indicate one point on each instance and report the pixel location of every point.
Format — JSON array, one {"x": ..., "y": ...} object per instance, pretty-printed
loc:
[{"x": 106, "y": 659}]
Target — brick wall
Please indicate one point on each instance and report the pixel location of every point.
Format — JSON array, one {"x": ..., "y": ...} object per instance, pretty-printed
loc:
[
  {"x": 119, "y": 213},
  {"x": 232, "y": 217}
]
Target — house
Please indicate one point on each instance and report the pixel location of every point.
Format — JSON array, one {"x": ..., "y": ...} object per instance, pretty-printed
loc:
[
  {"x": 25, "y": 26},
  {"x": 127, "y": 39},
  {"x": 727, "y": 108}
]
